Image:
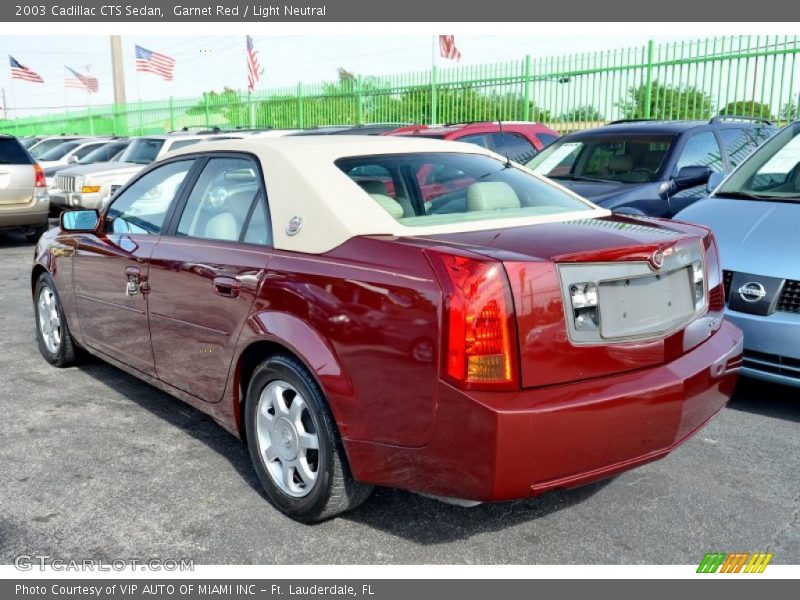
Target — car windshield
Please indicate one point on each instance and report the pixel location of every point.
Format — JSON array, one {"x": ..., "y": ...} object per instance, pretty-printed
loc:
[
  {"x": 103, "y": 154},
  {"x": 771, "y": 173},
  {"x": 59, "y": 151},
  {"x": 621, "y": 159},
  {"x": 440, "y": 188},
  {"x": 142, "y": 151}
]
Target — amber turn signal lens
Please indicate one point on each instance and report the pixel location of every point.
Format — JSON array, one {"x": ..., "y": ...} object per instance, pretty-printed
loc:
[{"x": 90, "y": 189}]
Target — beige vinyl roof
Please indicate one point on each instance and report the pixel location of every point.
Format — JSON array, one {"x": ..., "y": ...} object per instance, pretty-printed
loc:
[{"x": 303, "y": 182}]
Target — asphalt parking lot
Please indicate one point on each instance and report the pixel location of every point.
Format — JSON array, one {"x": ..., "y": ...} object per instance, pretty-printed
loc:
[{"x": 96, "y": 464}]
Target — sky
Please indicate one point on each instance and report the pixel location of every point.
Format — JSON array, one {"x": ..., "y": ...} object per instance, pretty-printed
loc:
[{"x": 207, "y": 63}]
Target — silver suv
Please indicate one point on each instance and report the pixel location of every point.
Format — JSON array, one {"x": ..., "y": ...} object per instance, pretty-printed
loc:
[{"x": 24, "y": 203}]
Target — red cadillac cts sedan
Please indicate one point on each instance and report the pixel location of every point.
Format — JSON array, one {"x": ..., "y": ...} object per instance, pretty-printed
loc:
[{"x": 487, "y": 343}]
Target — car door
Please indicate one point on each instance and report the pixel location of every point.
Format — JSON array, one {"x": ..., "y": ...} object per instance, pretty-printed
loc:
[
  {"x": 205, "y": 273},
  {"x": 111, "y": 268}
]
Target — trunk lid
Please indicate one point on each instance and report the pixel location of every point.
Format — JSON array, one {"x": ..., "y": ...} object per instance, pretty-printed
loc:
[{"x": 643, "y": 308}]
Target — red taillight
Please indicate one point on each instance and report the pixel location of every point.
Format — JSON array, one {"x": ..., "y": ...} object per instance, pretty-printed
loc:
[
  {"x": 479, "y": 345},
  {"x": 716, "y": 291},
  {"x": 40, "y": 179}
]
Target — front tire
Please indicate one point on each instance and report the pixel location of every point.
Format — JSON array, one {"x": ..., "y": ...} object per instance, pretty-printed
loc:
[
  {"x": 52, "y": 333},
  {"x": 294, "y": 444}
]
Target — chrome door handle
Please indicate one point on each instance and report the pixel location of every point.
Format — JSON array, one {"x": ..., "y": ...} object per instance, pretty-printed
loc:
[{"x": 227, "y": 286}]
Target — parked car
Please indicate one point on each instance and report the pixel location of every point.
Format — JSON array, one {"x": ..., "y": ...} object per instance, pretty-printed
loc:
[
  {"x": 88, "y": 186},
  {"x": 23, "y": 194},
  {"x": 258, "y": 281},
  {"x": 29, "y": 140},
  {"x": 755, "y": 215},
  {"x": 518, "y": 140},
  {"x": 647, "y": 167},
  {"x": 107, "y": 152},
  {"x": 48, "y": 143},
  {"x": 70, "y": 152}
]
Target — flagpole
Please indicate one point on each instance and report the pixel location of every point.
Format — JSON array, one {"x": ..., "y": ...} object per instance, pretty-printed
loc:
[
  {"x": 89, "y": 102},
  {"x": 16, "y": 112}
]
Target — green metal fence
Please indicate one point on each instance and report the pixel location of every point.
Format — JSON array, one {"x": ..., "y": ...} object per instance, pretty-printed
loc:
[{"x": 745, "y": 75}]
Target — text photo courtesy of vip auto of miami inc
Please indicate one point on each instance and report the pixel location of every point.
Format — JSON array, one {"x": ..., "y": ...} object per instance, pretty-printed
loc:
[{"x": 400, "y": 299}]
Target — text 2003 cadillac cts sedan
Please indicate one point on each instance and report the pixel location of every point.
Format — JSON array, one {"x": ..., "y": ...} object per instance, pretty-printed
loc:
[{"x": 400, "y": 312}]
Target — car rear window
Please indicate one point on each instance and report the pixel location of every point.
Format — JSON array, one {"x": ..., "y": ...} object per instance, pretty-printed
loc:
[
  {"x": 12, "y": 153},
  {"x": 421, "y": 189}
]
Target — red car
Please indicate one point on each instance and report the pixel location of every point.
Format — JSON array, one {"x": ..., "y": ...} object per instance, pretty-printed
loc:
[
  {"x": 518, "y": 140},
  {"x": 498, "y": 341}
]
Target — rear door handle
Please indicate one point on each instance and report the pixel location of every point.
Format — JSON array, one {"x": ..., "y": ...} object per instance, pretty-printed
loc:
[
  {"x": 227, "y": 286},
  {"x": 134, "y": 274}
]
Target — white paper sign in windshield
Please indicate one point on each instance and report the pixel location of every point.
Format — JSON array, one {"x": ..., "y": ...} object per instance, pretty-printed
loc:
[{"x": 556, "y": 158}]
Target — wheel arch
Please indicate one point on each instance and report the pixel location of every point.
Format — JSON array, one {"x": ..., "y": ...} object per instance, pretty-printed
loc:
[{"x": 274, "y": 333}]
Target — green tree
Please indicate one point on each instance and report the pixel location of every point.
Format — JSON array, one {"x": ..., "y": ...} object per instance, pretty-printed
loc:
[
  {"x": 666, "y": 102},
  {"x": 747, "y": 108},
  {"x": 582, "y": 113}
]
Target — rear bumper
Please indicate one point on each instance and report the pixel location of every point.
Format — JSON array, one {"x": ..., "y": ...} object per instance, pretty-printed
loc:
[
  {"x": 30, "y": 215},
  {"x": 493, "y": 446},
  {"x": 771, "y": 344}
]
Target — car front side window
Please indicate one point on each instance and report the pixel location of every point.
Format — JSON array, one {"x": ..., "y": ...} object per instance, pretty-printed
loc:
[
  {"x": 142, "y": 208},
  {"x": 701, "y": 150}
]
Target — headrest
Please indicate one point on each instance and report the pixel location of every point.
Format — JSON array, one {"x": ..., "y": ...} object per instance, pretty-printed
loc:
[
  {"x": 374, "y": 187},
  {"x": 491, "y": 195},
  {"x": 389, "y": 204},
  {"x": 621, "y": 163}
]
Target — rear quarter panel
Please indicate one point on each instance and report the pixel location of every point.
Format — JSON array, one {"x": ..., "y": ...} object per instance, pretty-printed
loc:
[{"x": 371, "y": 307}]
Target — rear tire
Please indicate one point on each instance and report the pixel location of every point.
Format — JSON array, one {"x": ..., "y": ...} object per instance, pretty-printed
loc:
[
  {"x": 33, "y": 236},
  {"x": 294, "y": 444},
  {"x": 52, "y": 333}
]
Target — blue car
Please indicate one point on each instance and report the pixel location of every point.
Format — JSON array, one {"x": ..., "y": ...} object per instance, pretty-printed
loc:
[
  {"x": 755, "y": 215},
  {"x": 653, "y": 168}
]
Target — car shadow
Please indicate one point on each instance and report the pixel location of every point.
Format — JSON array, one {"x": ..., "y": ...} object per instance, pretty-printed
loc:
[
  {"x": 766, "y": 399},
  {"x": 177, "y": 414},
  {"x": 403, "y": 514},
  {"x": 426, "y": 521},
  {"x": 13, "y": 239}
]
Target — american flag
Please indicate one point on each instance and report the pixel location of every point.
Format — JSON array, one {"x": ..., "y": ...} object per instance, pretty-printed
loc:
[
  {"x": 148, "y": 61},
  {"x": 83, "y": 82},
  {"x": 20, "y": 71},
  {"x": 253, "y": 67},
  {"x": 447, "y": 47}
]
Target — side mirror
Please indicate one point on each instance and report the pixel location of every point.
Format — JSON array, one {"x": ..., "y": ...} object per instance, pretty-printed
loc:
[
  {"x": 714, "y": 181},
  {"x": 692, "y": 176},
  {"x": 72, "y": 159},
  {"x": 80, "y": 221}
]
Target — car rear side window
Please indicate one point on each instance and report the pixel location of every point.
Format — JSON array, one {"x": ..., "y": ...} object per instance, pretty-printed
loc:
[
  {"x": 440, "y": 188},
  {"x": 221, "y": 203},
  {"x": 738, "y": 144},
  {"x": 12, "y": 153},
  {"x": 142, "y": 207},
  {"x": 513, "y": 145}
]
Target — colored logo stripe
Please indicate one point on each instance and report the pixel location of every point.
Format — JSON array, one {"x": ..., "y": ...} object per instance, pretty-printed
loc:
[{"x": 735, "y": 562}]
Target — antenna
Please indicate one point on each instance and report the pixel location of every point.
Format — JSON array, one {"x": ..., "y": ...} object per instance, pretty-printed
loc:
[{"x": 503, "y": 138}]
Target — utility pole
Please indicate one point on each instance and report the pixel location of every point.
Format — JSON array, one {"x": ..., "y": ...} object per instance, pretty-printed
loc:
[{"x": 116, "y": 70}]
